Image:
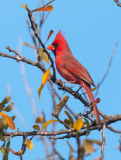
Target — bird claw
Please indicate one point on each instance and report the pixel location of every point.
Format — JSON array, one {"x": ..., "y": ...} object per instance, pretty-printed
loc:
[
  {"x": 76, "y": 94},
  {"x": 63, "y": 85}
]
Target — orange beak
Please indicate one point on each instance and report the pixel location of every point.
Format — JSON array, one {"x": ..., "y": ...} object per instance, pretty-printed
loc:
[{"x": 51, "y": 47}]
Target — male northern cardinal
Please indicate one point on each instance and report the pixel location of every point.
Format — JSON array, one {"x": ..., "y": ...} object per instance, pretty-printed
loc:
[{"x": 71, "y": 69}]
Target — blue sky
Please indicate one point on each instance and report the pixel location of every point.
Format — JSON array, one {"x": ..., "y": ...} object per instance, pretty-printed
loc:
[{"x": 92, "y": 28}]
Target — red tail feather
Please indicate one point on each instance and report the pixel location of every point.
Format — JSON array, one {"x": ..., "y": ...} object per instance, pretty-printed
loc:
[{"x": 91, "y": 98}]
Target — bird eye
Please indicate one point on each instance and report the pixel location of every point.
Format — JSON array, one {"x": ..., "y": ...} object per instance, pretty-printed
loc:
[{"x": 55, "y": 45}]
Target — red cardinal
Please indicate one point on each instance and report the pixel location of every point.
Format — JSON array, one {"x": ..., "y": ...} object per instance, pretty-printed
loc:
[{"x": 71, "y": 69}]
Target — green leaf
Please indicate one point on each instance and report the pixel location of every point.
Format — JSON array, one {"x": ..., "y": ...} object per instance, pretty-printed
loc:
[
  {"x": 68, "y": 123},
  {"x": 3, "y": 123},
  {"x": 8, "y": 145},
  {"x": 34, "y": 40},
  {"x": 9, "y": 120},
  {"x": 88, "y": 128},
  {"x": 69, "y": 117},
  {"x": 2, "y": 138},
  {"x": 5, "y": 157},
  {"x": 39, "y": 58},
  {"x": 24, "y": 148},
  {"x": 36, "y": 28}
]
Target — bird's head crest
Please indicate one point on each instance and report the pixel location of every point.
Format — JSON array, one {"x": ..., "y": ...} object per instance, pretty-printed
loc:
[{"x": 60, "y": 39}]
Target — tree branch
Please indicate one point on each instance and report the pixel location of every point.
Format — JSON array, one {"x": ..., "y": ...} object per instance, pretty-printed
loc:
[{"x": 118, "y": 3}]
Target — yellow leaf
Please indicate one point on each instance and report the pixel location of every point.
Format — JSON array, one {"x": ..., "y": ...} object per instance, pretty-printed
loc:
[
  {"x": 44, "y": 56},
  {"x": 3, "y": 150},
  {"x": 33, "y": 19},
  {"x": 62, "y": 104},
  {"x": 48, "y": 122},
  {"x": 26, "y": 44},
  {"x": 97, "y": 142},
  {"x": 45, "y": 76},
  {"x": 23, "y": 5},
  {"x": 39, "y": 91},
  {"x": 29, "y": 144},
  {"x": 69, "y": 117},
  {"x": 40, "y": 119},
  {"x": 47, "y": 8},
  {"x": 93, "y": 88},
  {"x": 36, "y": 127},
  {"x": 88, "y": 146},
  {"x": 19, "y": 153},
  {"x": 78, "y": 124},
  {"x": 92, "y": 114},
  {"x": 44, "y": 79},
  {"x": 8, "y": 120}
]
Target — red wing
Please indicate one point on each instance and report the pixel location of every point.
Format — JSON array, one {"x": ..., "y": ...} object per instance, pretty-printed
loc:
[{"x": 73, "y": 66}]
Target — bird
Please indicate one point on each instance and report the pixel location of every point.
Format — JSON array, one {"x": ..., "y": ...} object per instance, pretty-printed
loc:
[{"x": 71, "y": 69}]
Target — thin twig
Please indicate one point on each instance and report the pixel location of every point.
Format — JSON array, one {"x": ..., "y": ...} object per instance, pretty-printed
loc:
[
  {"x": 16, "y": 111},
  {"x": 103, "y": 143},
  {"x": 112, "y": 129},
  {"x": 43, "y": 6},
  {"x": 118, "y": 3},
  {"x": 107, "y": 69}
]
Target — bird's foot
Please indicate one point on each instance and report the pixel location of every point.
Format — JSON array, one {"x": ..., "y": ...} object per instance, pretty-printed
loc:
[
  {"x": 76, "y": 93},
  {"x": 63, "y": 84}
]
